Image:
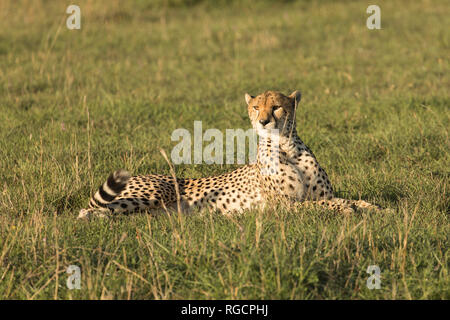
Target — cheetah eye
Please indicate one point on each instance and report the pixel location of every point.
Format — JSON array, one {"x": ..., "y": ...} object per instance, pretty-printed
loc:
[
  {"x": 256, "y": 107},
  {"x": 276, "y": 108}
]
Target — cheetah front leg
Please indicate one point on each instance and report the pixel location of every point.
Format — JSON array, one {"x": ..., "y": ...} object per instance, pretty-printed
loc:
[
  {"x": 86, "y": 214},
  {"x": 342, "y": 205},
  {"x": 366, "y": 206},
  {"x": 335, "y": 204}
]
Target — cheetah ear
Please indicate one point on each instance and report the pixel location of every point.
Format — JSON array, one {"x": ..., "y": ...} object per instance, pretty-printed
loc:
[
  {"x": 248, "y": 98},
  {"x": 297, "y": 96}
]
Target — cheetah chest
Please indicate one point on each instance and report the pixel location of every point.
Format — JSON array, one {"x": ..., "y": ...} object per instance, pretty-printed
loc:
[{"x": 288, "y": 182}]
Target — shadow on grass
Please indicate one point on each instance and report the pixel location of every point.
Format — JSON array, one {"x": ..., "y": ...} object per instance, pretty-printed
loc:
[{"x": 70, "y": 203}]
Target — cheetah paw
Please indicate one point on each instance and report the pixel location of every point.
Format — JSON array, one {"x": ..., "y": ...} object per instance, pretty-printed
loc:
[{"x": 86, "y": 214}]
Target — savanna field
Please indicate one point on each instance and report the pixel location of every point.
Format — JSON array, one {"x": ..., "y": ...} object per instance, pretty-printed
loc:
[{"x": 76, "y": 105}]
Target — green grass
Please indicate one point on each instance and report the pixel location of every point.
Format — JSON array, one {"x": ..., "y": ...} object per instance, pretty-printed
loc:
[{"x": 76, "y": 105}]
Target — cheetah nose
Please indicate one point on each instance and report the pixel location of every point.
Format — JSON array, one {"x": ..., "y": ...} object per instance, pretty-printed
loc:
[{"x": 264, "y": 122}]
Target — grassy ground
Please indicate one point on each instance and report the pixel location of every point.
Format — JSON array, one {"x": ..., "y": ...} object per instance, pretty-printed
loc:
[{"x": 76, "y": 105}]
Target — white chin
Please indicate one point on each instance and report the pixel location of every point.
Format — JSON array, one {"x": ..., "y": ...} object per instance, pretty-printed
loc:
[{"x": 266, "y": 132}]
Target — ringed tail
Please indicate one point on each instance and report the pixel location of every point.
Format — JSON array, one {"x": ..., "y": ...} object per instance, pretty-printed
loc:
[{"x": 108, "y": 191}]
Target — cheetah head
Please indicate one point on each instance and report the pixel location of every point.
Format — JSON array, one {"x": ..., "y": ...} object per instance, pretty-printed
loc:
[{"x": 273, "y": 110}]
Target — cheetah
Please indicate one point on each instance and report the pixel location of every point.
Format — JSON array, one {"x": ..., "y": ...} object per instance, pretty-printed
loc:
[{"x": 285, "y": 168}]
